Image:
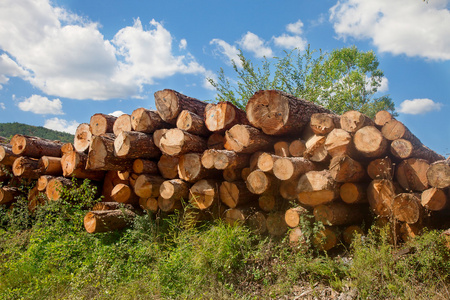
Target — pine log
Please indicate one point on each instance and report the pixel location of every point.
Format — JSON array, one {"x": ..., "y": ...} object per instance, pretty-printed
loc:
[
  {"x": 381, "y": 168},
  {"x": 352, "y": 193},
  {"x": 411, "y": 174},
  {"x": 190, "y": 168},
  {"x": 245, "y": 172},
  {"x": 174, "y": 189},
  {"x": 176, "y": 142},
  {"x": 101, "y": 123},
  {"x": 168, "y": 166},
  {"x": 26, "y": 167},
  {"x": 108, "y": 220},
  {"x": 225, "y": 159},
  {"x": 278, "y": 113},
  {"x": 8, "y": 194},
  {"x": 232, "y": 174},
  {"x": 192, "y": 123},
  {"x": 235, "y": 194},
  {"x": 381, "y": 193},
  {"x": 438, "y": 174},
  {"x": 370, "y": 142},
  {"x": 276, "y": 225},
  {"x": 49, "y": 165},
  {"x": 122, "y": 123},
  {"x": 204, "y": 194},
  {"x": 170, "y": 103},
  {"x": 345, "y": 169},
  {"x": 410, "y": 231},
  {"x": 123, "y": 193},
  {"x": 42, "y": 182},
  {"x": 112, "y": 206},
  {"x": 150, "y": 204},
  {"x": 216, "y": 141},
  {"x": 67, "y": 148},
  {"x": 406, "y": 207},
  {"x": 266, "y": 161},
  {"x": 338, "y": 213},
  {"x": 82, "y": 138},
  {"x": 294, "y": 216},
  {"x": 101, "y": 155},
  {"x": 135, "y": 144},
  {"x": 238, "y": 215},
  {"x": 281, "y": 148},
  {"x": 258, "y": 182},
  {"x": 404, "y": 149},
  {"x": 146, "y": 166},
  {"x": 394, "y": 130},
  {"x": 147, "y": 186},
  {"x": 169, "y": 205},
  {"x": 271, "y": 201},
  {"x": 323, "y": 123},
  {"x": 297, "y": 148},
  {"x": 35, "y": 198},
  {"x": 353, "y": 120},
  {"x": 73, "y": 164},
  {"x": 325, "y": 239},
  {"x": 147, "y": 121},
  {"x": 111, "y": 179},
  {"x": 317, "y": 187},
  {"x": 382, "y": 117},
  {"x": 207, "y": 158},
  {"x": 288, "y": 188},
  {"x": 157, "y": 136},
  {"x": 286, "y": 168},
  {"x": 315, "y": 149},
  {"x": 340, "y": 142},
  {"x": 57, "y": 186},
  {"x": 7, "y": 157},
  {"x": 297, "y": 238},
  {"x": 257, "y": 222},
  {"x": 247, "y": 139},
  {"x": 350, "y": 233},
  {"x": 35, "y": 147},
  {"x": 434, "y": 199},
  {"x": 223, "y": 115},
  {"x": 254, "y": 160}
]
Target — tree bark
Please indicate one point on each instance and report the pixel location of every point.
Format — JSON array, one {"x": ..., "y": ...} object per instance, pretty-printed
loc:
[
  {"x": 82, "y": 138},
  {"x": 123, "y": 193},
  {"x": 381, "y": 193},
  {"x": 438, "y": 174},
  {"x": 278, "y": 113},
  {"x": 141, "y": 166},
  {"x": 135, "y": 144},
  {"x": 406, "y": 207},
  {"x": 204, "y": 194},
  {"x": 108, "y": 220},
  {"x": 247, "y": 139},
  {"x": 168, "y": 166},
  {"x": 290, "y": 167},
  {"x": 176, "y": 142},
  {"x": 101, "y": 124},
  {"x": 26, "y": 167},
  {"x": 147, "y": 186},
  {"x": 101, "y": 156},
  {"x": 381, "y": 168},
  {"x": 49, "y": 165},
  {"x": 352, "y": 193},
  {"x": 192, "y": 123},
  {"x": 190, "y": 168},
  {"x": 223, "y": 115},
  {"x": 317, "y": 187},
  {"x": 7, "y": 157},
  {"x": 370, "y": 142},
  {"x": 412, "y": 174},
  {"x": 35, "y": 147},
  {"x": 122, "y": 123},
  {"x": 235, "y": 194},
  {"x": 404, "y": 149},
  {"x": 338, "y": 213},
  {"x": 434, "y": 199},
  {"x": 147, "y": 121},
  {"x": 297, "y": 148},
  {"x": 323, "y": 123},
  {"x": 352, "y": 121},
  {"x": 294, "y": 215},
  {"x": 346, "y": 169},
  {"x": 74, "y": 165}
]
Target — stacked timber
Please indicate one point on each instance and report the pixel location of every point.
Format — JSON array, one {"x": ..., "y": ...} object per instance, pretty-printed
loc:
[{"x": 281, "y": 163}]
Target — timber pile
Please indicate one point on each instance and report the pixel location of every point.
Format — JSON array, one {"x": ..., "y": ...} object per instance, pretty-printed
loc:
[{"x": 269, "y": 167}]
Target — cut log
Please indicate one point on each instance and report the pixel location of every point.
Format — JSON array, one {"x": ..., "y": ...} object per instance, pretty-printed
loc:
[
  {"x": 410, "y": 231},
  {"x": 297, "y": 148},
  {"x": 170, "y": 104},
  {"x": 35, "y": 147},
  {"x": 276, "y": 225},
  {"x": 26, "y": 167},
  {"x": 5, "y": 173},
  {"x": 345, "y": 169},
  {"x": 404, "y": 149},
  {"x": 150, "y": 204},
  {"x": 352, "y": 193},
  {"x": 123, "y": 193},
  {"x": 406, "y": 207},
  {"x": 101, "y": 123},
  {"x": 174, "y": 189},
  {"x": 232, "y": 174},
  {"x": 258, "y": 182},
  {"x": 381, "y": 168},
  {"x": 370, "y": 142},
  {"x": 288, "y": 188},
  {"x": 157, "y": 136},
  {"x": 278, "y": 113},
  {"x": 338, "y": 213},
  {"x": 434, "y": 199},
  {"x": 257, "y": 222},
  {"x": 108, "y": 220},
  {"x": 325, "y": 239},
  {"x": 297, "y": 239},
  {"x": 168, "y": 166},
  {"x": 8, "y": 194},
  {"x": 323, "y": 123},
  {"x": 271, "y": 201},
  {"x": 245, "y": 172},
  {"x": 190, "y": 168},
  {"x": 169, "y": 205},
  {"x": 350, "y": 233},
  {"x": 412, "y": 174},
  {"x": 208, "y": 158},
  {"x": 317, "y": 187},
  {"x": 110, "y": 180},
  {"x": 112, "y": 206},
  {"x": 286, "y": 168},
  {"x": 135, "y": 144},
  {"x": 352, "y": 121},
  {"x": 82, "y": 138},
  {"x": 216, "y": 141},
  {"x": 438, "y": 174},
  {"x": 67, "y": 148},
  {"x": 57, "y": 186},
  {"x": 247, "y": 139},
  {"x": 315, "y": 149},
  {"x": 224, "y": 115},
  {"x": 7, "y": 157},
  {"x": 73, "y": 164},
  {"x": 192, "y": 123},
  {"x": 122, "y": 123},
  {"x": 204, "y": 194},
  {"x": 382, "y": 117},
  {"x": 266, "y": 161},
  {"x": 176, "y": 142},
  {"x": 101, "y": 156},
  {"x": 42, "y": 182},
  {"x": 146, "y": 166},
  {"x": 294, "y": 216},
  {"x": 235, "y": 194},
  {"x": 147, "y": 121},
  {"x": 35, "y": 198},
  {"x": 381, "y": 193},
  {"x": 225, "y": 159},
  {"x": 49, "y": 165},
  {"x": 238, "y": 215},
  {"x": 340, "y": 142},
  {"x": 147, "y": 186},
  {"x": 394, "y": 130}
]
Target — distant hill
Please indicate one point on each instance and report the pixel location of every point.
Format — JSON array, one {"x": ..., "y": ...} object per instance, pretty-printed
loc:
[{"x": 7, "y": 130}]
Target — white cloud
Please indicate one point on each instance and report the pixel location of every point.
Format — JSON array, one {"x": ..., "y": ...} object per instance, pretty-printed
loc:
[
  {"x": 414, "y": 28},
  {"x": 290, "y": 42},
  {"x": 419, "y": 106},
  {"x": 9, "y": 68},
  {"x": 41, "y": 105},
  {"x": 229, "y": 51},
  {"x": 117, "y": 113},
  {"x": 2, "y": 106},
  {"x": 61, "y": 125},
  {"x": 295, "y": 28},
  {"x": 183, "y": 44},
  {"x": 253, "y": 43},
  {"x": 384, "y": 85}
]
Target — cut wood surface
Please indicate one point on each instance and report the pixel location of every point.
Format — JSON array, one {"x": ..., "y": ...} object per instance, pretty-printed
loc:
[
  {"x": 353, "y": 120},
  {"x": 394, "y": 130},
  {"x": 258, "y": 181},
  {"x": 281, "y": 148},
  {"x": 257, "y": 222},
  {"x": 224, "y": 159},
  {"x": 42, "y": 182},
  {"x": 297, "y": 148},
  {"x": 123, "y": 193},
  {"x": 26, "y": 167},
  {"x": 101, "y": 155},
  {"x": 192, "y": 123},
  {"x": 381, "y": 168},
  {"x": 168, "y": 166},
  {"x": 170, "y": 104},
  {"x": 190, "y": 168},
  {"x": 317, "y": 187},
  {"x": 345, "y": 169},
  {"x": 50, "y": 165},
  {"x": 101, "y": 123},
  {"x": 340, "y": 142},
  {"x": 411, "y": 174},
  {"x": 108, "y": 220},
  {"x": 82, "y": 138},
  {"x": 271, "y": 201},
  {"x": 122, "y": 123},
  {"x": 370, "y": 142},
  {"x": 406, "y": 207},
  {"x": 146, "y": 166},
  {"x": 204, "y": 194},
  {"x": 232, "y": 174},
  {"x": 56, "y": 187},
  {"x": 147, "y": 121},
  {"x": 8, "y": 194},
  {"x": 150, "y": 204},
  {"x": 176, "y": 142},
  {"x": 111, "y": 179},
  {"x": 288, "y": 188},
  {"x": 350, "y": 233},
  {"x": 382, "y": 117},
  {"x": 279, "y": 113},
  {"x": 34, "y": 146},
  {"x": 147, "y": 186},
  {"x": 169, "y": 205},
  {"x": 222, "y": 116},
  {"x": 216, "y": 141},
  {"x": 434, "y": 199},
  {"x": 73, "y": 164},
  {"x": 286, "y": 168},
  {"x": 338, "y": 213},
  {"x": 352, "y": 193},
  {"x": 157, "y": 136},
  {"x": 438, "y": 174},
  {"x": 325, "y": 239},
  {"x": 235, "y": 193},
  {"x": 297, "y": 238},
  {"x": 315, "y": 149},
  {"x": 404, "y": 149},
  {"x": 135, "y": 144},
  {"x": 293, "y": 216},
  {"x": 207, "y": 158},
  {"x": 174, "y": 189},
  {"x": 381, "y": 193},
  {"x": 324, "y": 123},
  {"x": 266, "y": 161},
  {"x": 247, "y": 139},
  {"x": 7, "y": 157}
]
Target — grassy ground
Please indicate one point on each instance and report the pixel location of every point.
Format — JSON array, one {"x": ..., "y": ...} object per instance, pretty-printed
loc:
[{"x": 49, "y": 255}]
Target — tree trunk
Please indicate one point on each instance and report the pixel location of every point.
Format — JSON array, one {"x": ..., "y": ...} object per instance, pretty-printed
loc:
[
  {"x": 258, "y": 182},
  {"x": 352, "y": 193},
  {"x": 169, "y": 205},
  {"x": 381, "y": 168},
  {"x": 110, "y": 180},
  {"x": 56, "y": 187},
  {"x": 170, "y": 103},
  {"x": 317, "y": 187},
  {"x": 35, "y": 147},
  {"x": 404, "y": 149},
  {"x": 290, "y": 167},
  {"x": 122, "y": 123},
  {"x": 340, "y": 142},
  {"x": 352, "y": 121},
  {"x": 141, "y": 166},
  {"x": 381, "y": 193},
  {"x": 176, "y": 142},
  {"x": 346, "y": 169},
  {"x": 225, "y": 159},
  {"x": 394, "y": 130},
  {"x": 293, "y": 216},
  {"x": 266, "y": 161},
  {"x": 135, "y": 144},
  {"x": 247, "y": 139},
  {"x": 108, "y": 220},
  {"x": 315, "y": 149},
  {"x": 101, "y": 156},
  {"x": 168, "y": 166},
  {"x": 278, "y": 113},
  {"x": 174, "y": 189},
  {"x": 147, "y": 186},
  {"x": 406, "y": 207},
  {"x": 370, "y": 142},
  {"x": 276, "y": 225},
  {"x": 26, "y": 167},
  {"x": 7, "y": 157},
  {"x": 190, "y": 168},
  {"x": 207, "y": 158},
  {"x": 8, "y": 194},
  {"x": 101, "y": 124},
  {"x": 224, "y": 115},
  {"x": 235, "y": 193},
  {"x": 82, "y": 138},
  {"x": 123, "y": 193},
  {"x": 297, "y": 148},
  {"x": 297, "y": 239},
  {"x": 438, "y": 174},
  {"x": 204, "y": 194},
  {"x": 74, "y": 165},
  {"x": 157, "y": 136},
  {"x": 382, "y": 117},
  {"x": 434, "y": 199},
  {"x": 238, "y": 215},
  {"x": 49, "y": 165},
  {"x": 150, "y": 204},
  {"x": 216, "y": 141},
  {"x": 232, "y": 174},
  {"x": 412, "y": 174},
  {"x": 146, "y": 121},
  {"x": 192, "y": 123},
  {"x": 323, "y": 123},
  {"x": 338, "y": 213}
]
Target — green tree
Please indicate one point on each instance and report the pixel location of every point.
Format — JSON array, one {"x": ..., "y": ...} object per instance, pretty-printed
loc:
[{"x": 344, "y": 79}]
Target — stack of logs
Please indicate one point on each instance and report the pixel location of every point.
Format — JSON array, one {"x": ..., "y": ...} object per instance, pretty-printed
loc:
[{"x": 269, "y": 167}]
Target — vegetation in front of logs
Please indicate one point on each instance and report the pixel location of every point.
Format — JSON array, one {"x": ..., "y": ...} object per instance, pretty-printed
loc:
[
  {"x": 49, "y": 255},
  {"x": 8, "y": 130}
]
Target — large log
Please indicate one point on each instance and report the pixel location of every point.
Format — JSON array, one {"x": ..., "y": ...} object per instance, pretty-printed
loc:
[
  {"x": 345, "y": 169},
  {"x": 323, "y": 123},
  {"x": 224, "y": 159},
  {"x": 278, "y": 113},
  {"x": 350, "y": 233},
  {"x": 404, "y": 149},
  {"x": 340, "y": 142},
  {"x": 406, "y": 207},
  {"x": 317, "y": 187},
  {"x": 101, "y": 123},
  {"x": 174, "y": 189},
  {"x": 50, "y": 165},
  {"x": 276, "y": 225},
  {"x": 146, "y": 166},
  {"x": 191, "y": 169},
  {"x": 122, "y": 123},
  {"x": 223, "y": 115},
  {"x": 238, "y": 215},
  {"x": 176, "y": 142},
  {"x": 257, "y": 222},
  {"x": 7, "y": 157},
  {"x": 73, "y": 164},
  {"x": 168, "y": 166},
  {"x": 57, "y": 186},
  {"x": 338, "y": 213},
  {"x": 381, "y": 193},
  {"x": 135, "y": 144},
  {"x": 286, "y": 168},
  {"x": 111, "y": 179},
  {"x": 147, "y": 121},
  {"x": 297, "y": 148},
  {"x": 43, "y": 181},
  {"x": 232, "y": 174},
  {"x": 150, "y": 204},
  {"x": 258, "y": 182},
  {"x": 352, "y": 193},
  {"x": 204, "y": 194},
  {"x": 295, "y": 216},
  {"x": 352, "y": 121},
  {"x": 411, "y": 174},
  {"x": 108, "y": 220},
  {"x": 434, "y": 199},
  {"x": 266, "y": 161},
  {"x": 123, "y": 193},
  {"x": 370, "y": 142},
  {"x": 381, "y": 168},
  {"x": 147, "y": 186},
  {"x": 192, "y": 123},
  {"x": 247, "y": 139},
  {"x": 208, "y": 158},
  {"x": 235, "y": 193},
  {"x": 169, "y": 205},
  {"x": 325, "y": 239},
  {"x": 170, "y": 103},
  {"x": 26, "y": 167},
  {"x": 271, "y": 201},
  {"x": 382, "y": 117},
  {"x": 216, "y": 141},
  {"x": 281, "y": 148},
  {"x": 8, "y": 194},
  {"x": 438, "y": 174},
  {"x": 288, "y": 188},
  {"x": 82, "y": 138},
  {"x": 394, "y": 130},
  {"x": 34, "y": 146},
  {"x": 101, "y": 155},
  {"x": 315, "y": 149}
]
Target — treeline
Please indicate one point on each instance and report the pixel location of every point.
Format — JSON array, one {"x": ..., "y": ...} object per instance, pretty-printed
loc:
[{"x": 7, "y": 130}]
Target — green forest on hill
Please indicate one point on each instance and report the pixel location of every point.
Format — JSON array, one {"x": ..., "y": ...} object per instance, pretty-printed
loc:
[{"x": 8, "y": 130}]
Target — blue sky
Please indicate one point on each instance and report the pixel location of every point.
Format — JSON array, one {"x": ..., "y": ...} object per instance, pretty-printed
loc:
[{"x": 62, "y": 61}]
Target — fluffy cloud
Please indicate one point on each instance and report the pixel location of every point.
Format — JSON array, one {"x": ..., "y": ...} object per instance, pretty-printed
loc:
[
  {"x": 229, "y": 51},
  {"x": 295, "y": 28},
  {"x": 9, "y": 68},
  {"x": 61, "y": 125},
  {"x": 419, "y": 106},
  {"x": 414, "y": 28},
  {"x": 183, "y": 44},
  {"x": 67, "y": 56},
  {"x": 253, "y": 43},
  {"x": 2, "y": 105},
  {"x": 290, "y": 42},
  {"x": 117, "y": 113},
  {"x": 41, "y": 105}
]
